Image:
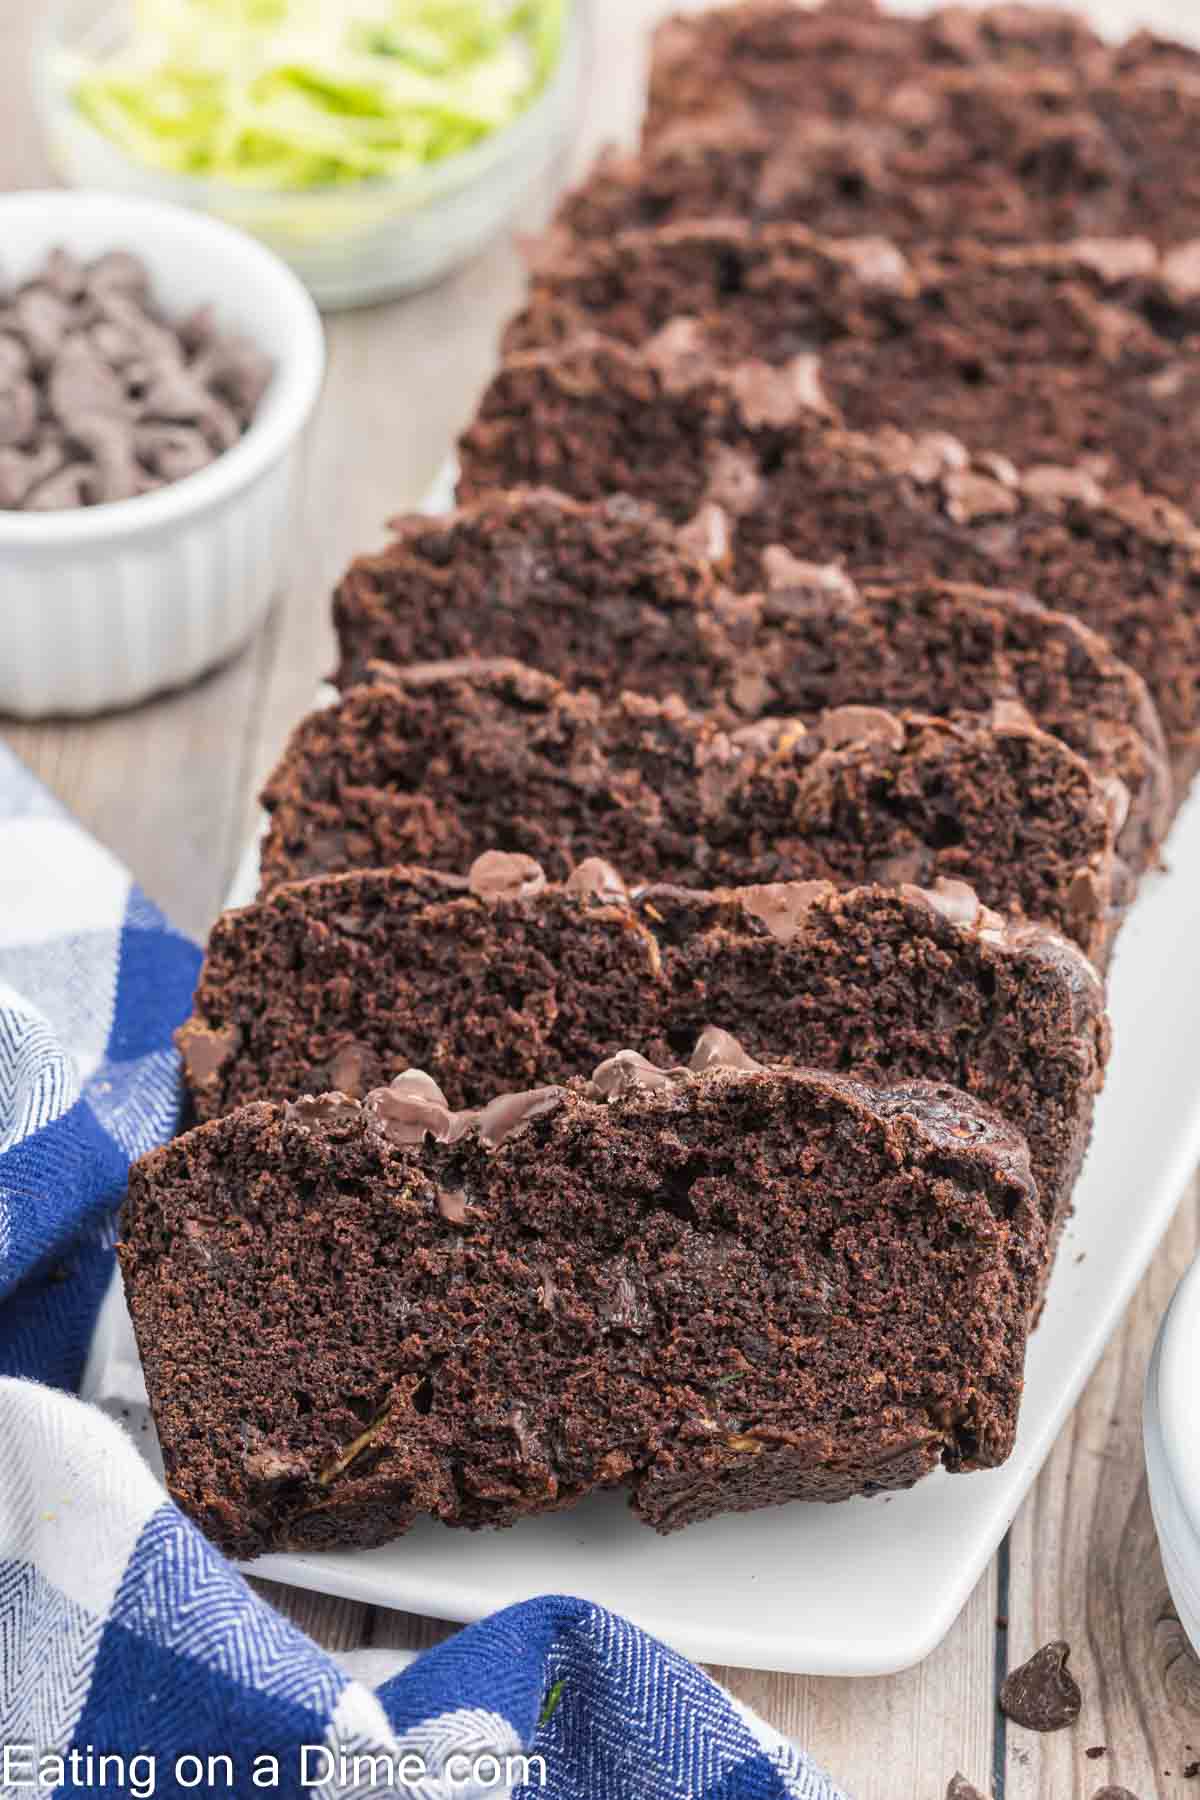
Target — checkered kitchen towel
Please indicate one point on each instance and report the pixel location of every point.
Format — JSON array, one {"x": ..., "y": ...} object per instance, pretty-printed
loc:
[{"x": 135, "y": 1661}]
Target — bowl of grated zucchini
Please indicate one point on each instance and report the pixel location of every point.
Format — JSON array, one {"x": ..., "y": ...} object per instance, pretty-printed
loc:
[{"x": 374, "y": 145}]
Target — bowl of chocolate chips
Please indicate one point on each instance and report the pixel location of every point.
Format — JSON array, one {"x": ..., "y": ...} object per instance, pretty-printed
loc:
[{"x": 157, "y": 371}]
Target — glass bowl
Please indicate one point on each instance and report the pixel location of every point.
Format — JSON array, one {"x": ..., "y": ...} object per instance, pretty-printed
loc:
[{"x": 350, "y": 245}]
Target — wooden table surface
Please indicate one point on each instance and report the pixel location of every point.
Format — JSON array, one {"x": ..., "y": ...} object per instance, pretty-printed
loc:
[{"x": 170, "y": 787}]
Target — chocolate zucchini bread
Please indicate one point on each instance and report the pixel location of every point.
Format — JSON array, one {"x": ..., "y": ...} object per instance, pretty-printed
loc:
[
  {"x": 815, "y": 640},
  {"x": 1081, "y": 355},
  {"x": 755, "y": 478},
  {"x": 605, "y": 596},
  {"x": 1030, "y": 157},
  {"x": 436, "y": 762},
  {"x": 716, "y": 1290},
  {"x": 499, "y": 980},
  {"x": 775, "y": 61}
]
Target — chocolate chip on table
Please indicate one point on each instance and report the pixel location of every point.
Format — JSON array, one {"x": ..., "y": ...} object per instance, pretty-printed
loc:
[
  {"x": 1042, "y": 1695},
  {"x": 961, "y": 1789},
  {"x": 102, "y": 397},
  {"x": 1113, "y": 1793}
]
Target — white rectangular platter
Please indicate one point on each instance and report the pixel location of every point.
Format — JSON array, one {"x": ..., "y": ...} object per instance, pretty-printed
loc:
[{"x": 872, "y": 1586}]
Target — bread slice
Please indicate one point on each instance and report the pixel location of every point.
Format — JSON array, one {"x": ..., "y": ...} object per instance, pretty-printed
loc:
[
  {"x": 773, "y": 61},
  {"x": 501, "y": 980},
  {"x": 606, "y": 595},
  {"x": 605, "y": 598},
  {"x": 1081, "y": 354},
  {"x": 748, "y": 471},
  {"x": 1018, "y": 156},
  {"x": 716, "y": 1290},
  {"x": 440, "y": 762}
]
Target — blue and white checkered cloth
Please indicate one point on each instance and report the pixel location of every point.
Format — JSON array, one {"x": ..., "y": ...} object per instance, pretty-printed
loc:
[{"x": 134, "y": 1660}]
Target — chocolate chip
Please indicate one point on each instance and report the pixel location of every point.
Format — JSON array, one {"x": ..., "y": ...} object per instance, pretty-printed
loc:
[
  {"x": 407, "y": 1120},
  {"x": 205, "y": 1050},
  {"x": 322, "y": 1109},
  {"x": 595, "y": 876},
  {"x": 876, "y": 262},
  {"x": 630, "y": 1072},
  {"x": 237, "y": 370},
  {"x": 271, "y": 1468},
  {"x": 734, "y": 482},
  {"x": 767, "y": 396},
  {"x": 14, "y": 359},
  {"x": 929, "y": 457},
  {"x": 1051, "y": 486},
  {"x": 119, "y": 271},
  {"x": 821, "y": 580},
  {"x": 1114, "y": 1793},
  {"x": 717, "y": 1049},
  {"x": 64, "y": 274},
  {"x": 110, "y": 445},
  {"x": 22, "y": 471},
  {"x": 499, "y": 875},
  {"x": 16, "y": 476},
  {"x": 1042, "y": 1694},
  {"x": 860, "y": 725},
  {"x": 1083, "y": 898},
  {"x": 172, "y": 451},
  {"x": 1012, "y": 718},
  {"x": 18, "y": 411},
  {"x": 955, "y": 900},
  {"x": 762, "y": 737},
  {"x": 508, "y": 1112},
  {"x": 961, "y": 1789},
  {"x": 782, "y": 906},
  {"x": 417, "y": 1082},
  {"x": 83, "y": 386},
  {"x": 199, "y": 329},
  {"x": 70, "y": 487},
  {"x": 677, "y": 352},
  {"x": 412, "y": 1108},
  {"x": 177, "y": 396},
  {"x": 452, "y": 1204},
  {"x": 971, "y": 497},
  {"x": 43, "y": 319},
  {"x": 1116, "y": 259}
]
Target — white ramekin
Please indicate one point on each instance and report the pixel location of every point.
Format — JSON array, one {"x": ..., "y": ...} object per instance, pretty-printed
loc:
[
  {"x": 1171, "y": 1423},
  {"x": 103, "y": 606}
]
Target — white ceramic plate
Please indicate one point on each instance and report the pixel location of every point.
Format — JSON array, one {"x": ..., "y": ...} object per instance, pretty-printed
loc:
[{"x": 872, "y": 1586}]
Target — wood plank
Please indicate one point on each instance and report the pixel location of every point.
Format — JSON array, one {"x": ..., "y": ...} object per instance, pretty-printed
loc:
[
  {"x": 407, "y": 1631},
  {"x": 1085, "y": 1567},
  {"x": 898, "y": 1736},
  {"x": 334, "y": 1624}
]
